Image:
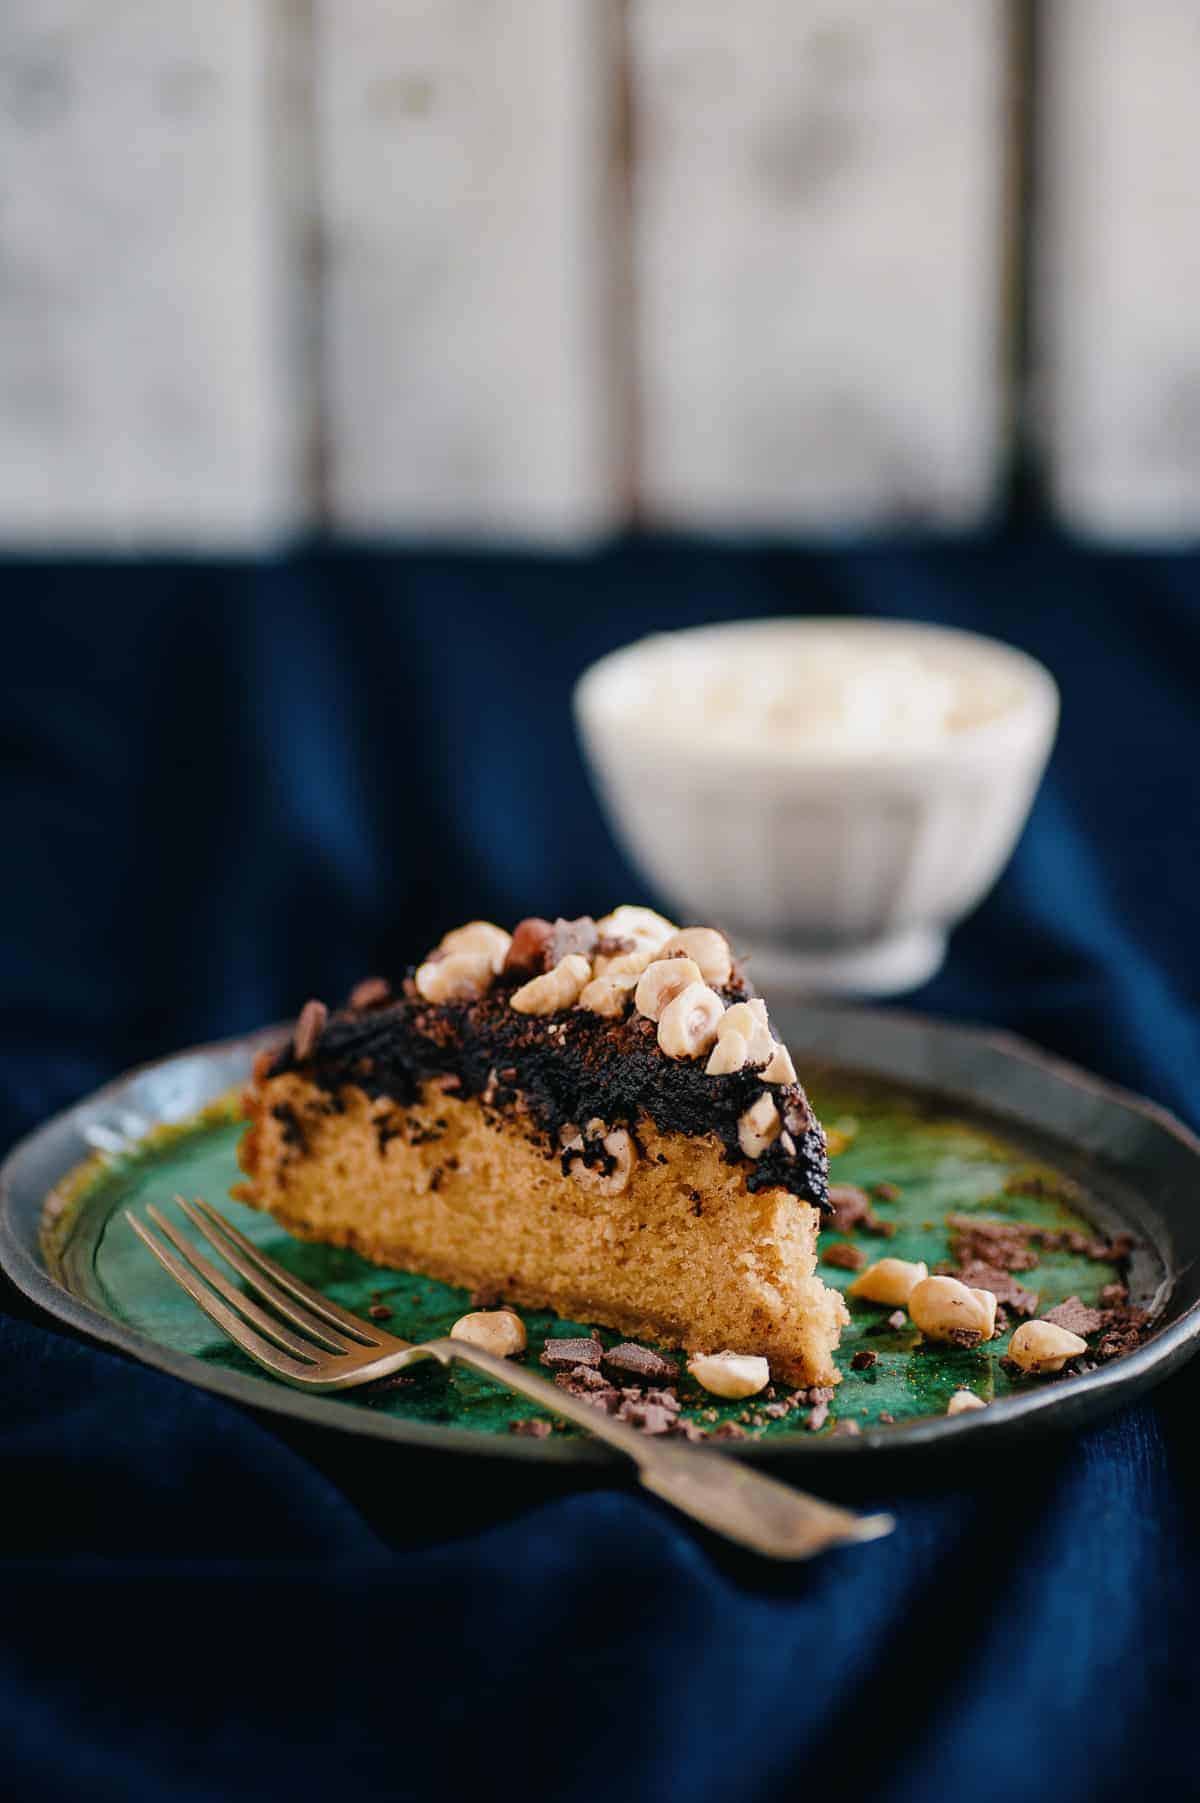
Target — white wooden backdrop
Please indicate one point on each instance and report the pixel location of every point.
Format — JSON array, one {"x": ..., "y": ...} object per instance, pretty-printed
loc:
[{"x": 527, "y": 270}]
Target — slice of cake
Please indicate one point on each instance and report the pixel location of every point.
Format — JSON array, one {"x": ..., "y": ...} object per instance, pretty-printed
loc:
[{"x": 588, "y": 1116}]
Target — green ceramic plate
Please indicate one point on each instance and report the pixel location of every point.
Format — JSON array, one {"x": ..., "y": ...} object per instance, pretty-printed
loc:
[{"x": 955, "y": 1120}]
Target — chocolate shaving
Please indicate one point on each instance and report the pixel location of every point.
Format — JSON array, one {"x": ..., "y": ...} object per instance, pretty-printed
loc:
[
  {"x": 564, "y": 1355},
  {"x": 309, "y": 1028},
  {"x": 862, "y": 1361},
  {"x": 641, "y": 1362},
  {"x": 852, "y": 1208},
  {"x": 1002, "y": 1284},
  {"x": 818, "y": 1418},
  {"x": 1076, "y": 1317},
  {"x": 379, "y": 1311}
]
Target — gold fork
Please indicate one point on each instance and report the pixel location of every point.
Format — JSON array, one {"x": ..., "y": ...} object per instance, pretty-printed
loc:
[{"x": 334, "y": 1350}]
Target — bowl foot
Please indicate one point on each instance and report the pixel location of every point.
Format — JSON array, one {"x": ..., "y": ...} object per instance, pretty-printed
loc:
[{"x": 887, "y": 966}]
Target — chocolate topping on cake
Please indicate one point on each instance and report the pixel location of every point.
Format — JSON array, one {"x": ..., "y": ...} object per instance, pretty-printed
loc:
[{"x": 574, "y": 1066}]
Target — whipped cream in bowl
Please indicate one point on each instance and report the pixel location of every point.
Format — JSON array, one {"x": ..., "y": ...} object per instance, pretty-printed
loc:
[{"x": 836, "y": 792}]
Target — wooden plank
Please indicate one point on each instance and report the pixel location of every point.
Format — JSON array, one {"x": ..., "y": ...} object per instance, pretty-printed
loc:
[
  {"x": 1118, "y": 265},
  {"x": 819, "y": 243},
  {"x": 148, "y": 395},
  {"x": 470, "y": 209}
]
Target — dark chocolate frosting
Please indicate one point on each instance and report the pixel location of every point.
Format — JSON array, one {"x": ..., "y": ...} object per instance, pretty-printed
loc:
[{"x": 573, "y": 1066}]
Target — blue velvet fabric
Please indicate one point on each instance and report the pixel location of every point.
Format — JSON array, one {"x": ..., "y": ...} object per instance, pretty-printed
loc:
[{"x": 226, "y": 788}]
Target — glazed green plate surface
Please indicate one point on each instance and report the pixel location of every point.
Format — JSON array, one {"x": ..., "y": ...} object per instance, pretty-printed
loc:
[{"x": 951, "y": 1121}]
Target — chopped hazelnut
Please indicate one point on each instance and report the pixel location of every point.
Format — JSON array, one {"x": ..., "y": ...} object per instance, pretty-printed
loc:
[
  {"x": 496, "y": 1330},
  {"x": 1040, "y": 1347},
  {"x": 750, "y": 1020},
  {"x": 890, "y": 1281},
  {"x": 661, "y": 982},
  {"x": 558, "y": 988},
  {"x": 479, "y": 936},
  {"x": 730, "y": 1374},
  {"x": 706, "y": 948},
  {"x": 728, "y": 1055},
  {"x": 759, "y": 1127},
  {"x": 780, "y": 1069},
  {"x": 527, "y": 952},
  {"x": 945, "y": 1309},
  {"x": 642, "y": 925},
  {"x": 457, "y": 977},
  {"x": 608, "y": 995},
  {"x": 620, "y": 1148},
  {"x": 964, "y": 1400},
  {"x": 309, "y": 1028},
  {"x": 687, "y": 1027}
]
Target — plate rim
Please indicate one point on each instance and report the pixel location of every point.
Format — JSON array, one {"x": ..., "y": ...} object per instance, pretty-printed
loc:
[{"x": 1132, "y": 1372}]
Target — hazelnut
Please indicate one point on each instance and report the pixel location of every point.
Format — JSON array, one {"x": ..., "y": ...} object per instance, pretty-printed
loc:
[
  {"x": 527, "y": 952},
  {"x": 987, "y": 1302},
  {"x": 964, "y": 1400},
  {"x": 622, "y": 964},
  {"x": 687, "y": 1027},
  {"x": 620, "y": 1148},
  {"x": 372, "y": 992},
  {"x": 890, "y": 1281},
  {"x": 729, "y": 1054},
  {"x": 780, "y": 1069},
  {"x": 608, "y": 995},
  {"x": 750, "y": 1020},
  {"x": 458, "y": 977},
  {"x": 945, "y": 1309},
  {"x": 309, "y": 1028},
  {"x": 495, "y": 1330},
  {"x": 642, "y": 925},
  {"x": 1040, "y": 1347},
  {"x": 661, "y": 982},
  {"x": 479, "y": 936},
  {"x": 730, "y": 1374},
  {"x": 558, "y": 988},
  {"x": 759, "y": 1127},
  {"x": 706, "y": 948}
]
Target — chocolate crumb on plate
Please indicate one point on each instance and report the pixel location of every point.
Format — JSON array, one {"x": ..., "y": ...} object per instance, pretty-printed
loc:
[
  {"x": 532, "y": 1429},
  {"x": 818, "y": 1418},
  {"x": 650, "y": 1417},
  {"x": 862, "y": 1361},
  {"x": 850, "y": 1205},
  {"x": 846, "y": 1427},
  {"x": 1003, "y": 1285},
  {"x": 885, "y": 1192},
  {"x": 641, "y": 1362},
  {"x": 1075, "y": 1317},
  {"x": 379, "y": 1311},
  {"x": 845, "y": 1256}
]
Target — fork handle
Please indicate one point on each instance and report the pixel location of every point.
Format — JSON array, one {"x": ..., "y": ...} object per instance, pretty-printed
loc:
[{"x": 721, "y": 1493}]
